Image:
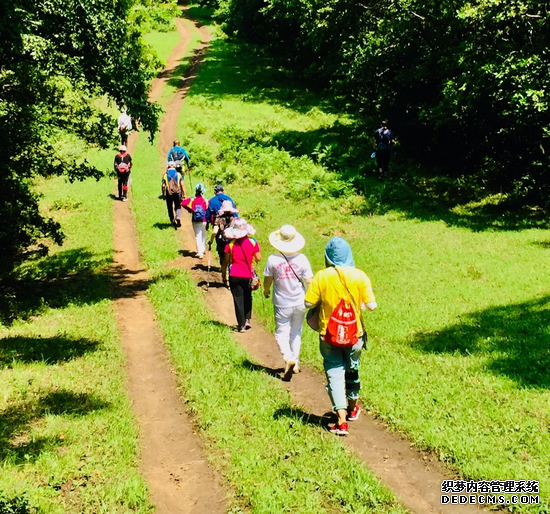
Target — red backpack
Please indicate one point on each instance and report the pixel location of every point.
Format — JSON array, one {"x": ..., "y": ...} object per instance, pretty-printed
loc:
[
  {"x": 122, "y": 166},
  {"x": 342, "y": 326}
]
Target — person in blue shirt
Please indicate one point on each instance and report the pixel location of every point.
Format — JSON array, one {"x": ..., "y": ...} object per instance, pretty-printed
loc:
[
  {"x": 215, "y": 204},
  {"x": 178, "y": 155}
]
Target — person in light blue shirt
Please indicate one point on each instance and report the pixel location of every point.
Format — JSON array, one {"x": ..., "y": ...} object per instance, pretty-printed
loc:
[{"x": 178, "y": 155}]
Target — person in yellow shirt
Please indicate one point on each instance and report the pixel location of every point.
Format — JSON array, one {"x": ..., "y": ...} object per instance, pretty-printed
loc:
[{"x": 341, "y": 280}]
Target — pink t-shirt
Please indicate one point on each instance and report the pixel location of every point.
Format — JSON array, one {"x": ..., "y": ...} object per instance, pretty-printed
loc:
[{"x": 242, "y": 254}]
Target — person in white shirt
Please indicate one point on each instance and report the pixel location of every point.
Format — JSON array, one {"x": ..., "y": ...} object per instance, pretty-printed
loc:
[
  {"x": 290, "y": 273},
  {"x": 124, "y": 126}
]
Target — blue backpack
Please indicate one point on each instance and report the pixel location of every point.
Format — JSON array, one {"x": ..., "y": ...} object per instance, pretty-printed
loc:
[{"x": 199, "y": 214}]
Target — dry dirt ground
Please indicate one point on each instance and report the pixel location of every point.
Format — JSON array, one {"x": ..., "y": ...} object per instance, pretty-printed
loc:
[{"x": 173, "y": 462}]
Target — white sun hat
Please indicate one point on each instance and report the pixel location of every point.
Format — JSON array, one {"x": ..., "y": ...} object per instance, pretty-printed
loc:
[
  {"x": 287, "y": 239},
  {"x": 239, "y": 228}
]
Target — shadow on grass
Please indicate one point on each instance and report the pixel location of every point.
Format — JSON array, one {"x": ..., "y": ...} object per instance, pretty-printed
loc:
[
  {"x": 71, "y": 277},
  {"x": 241, "y": 72},
  {"x": 305, "y": 418},
  {"x": 16, "y": 421},
  {"x": 163, "y": 225},
  {"x": 514, "y": 341},
  {"x": 50, "y": 350},
  {"x": 252, "y": 366}
]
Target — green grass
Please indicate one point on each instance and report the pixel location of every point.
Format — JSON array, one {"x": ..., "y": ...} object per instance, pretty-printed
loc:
[
  {"x": 275, "y": 456},
  {"x": 67, "y": 435},
  {"x": 459, "y": 349},
  {"x": 458, "y": 354}
]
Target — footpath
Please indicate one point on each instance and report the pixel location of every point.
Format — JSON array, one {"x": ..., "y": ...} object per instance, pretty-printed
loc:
[{"x": 172, "y": 461}]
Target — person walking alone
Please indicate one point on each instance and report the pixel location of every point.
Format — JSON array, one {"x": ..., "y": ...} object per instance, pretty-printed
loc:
[
  {"x": 178, "y": 155},
  {"x": 341, "y": 292},
  {"x": 123, "y": 166},
  {"x": 173, "y": 191},
  {"x": 290, "y": 273},
  {"x": 198, "y": 206},
  {"x": 383, "y": 144},
  {"x": 124, "y": 126},
  {"x": 241, "y": 252}
]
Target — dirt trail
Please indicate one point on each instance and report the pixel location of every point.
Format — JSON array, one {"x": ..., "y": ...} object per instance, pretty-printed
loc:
[
  {"x": 414, "y": 477},
  {"x": 179, "y": 477}
]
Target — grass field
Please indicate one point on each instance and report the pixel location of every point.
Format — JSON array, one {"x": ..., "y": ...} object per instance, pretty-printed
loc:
[
  {"x": 459, "y": 348},
  {"x": 67, "y": 437}
]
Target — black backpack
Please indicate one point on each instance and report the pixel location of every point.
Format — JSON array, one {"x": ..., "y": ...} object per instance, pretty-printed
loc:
[{"x": 383, "y": 139}]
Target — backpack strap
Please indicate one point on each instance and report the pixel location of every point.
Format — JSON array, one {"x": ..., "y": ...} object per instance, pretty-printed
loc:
[
  {"x": 292, "y": 269},
  {"x": 359, "y": 311}
]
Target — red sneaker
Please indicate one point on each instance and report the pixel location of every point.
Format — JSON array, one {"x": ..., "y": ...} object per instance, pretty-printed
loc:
[
  {"x": 354, "y": 413},
  {"x": 341, "y": 429}
]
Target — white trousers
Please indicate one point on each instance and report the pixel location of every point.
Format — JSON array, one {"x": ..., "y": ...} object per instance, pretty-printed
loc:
[
  {"x": 288, "y": 331},
  {"x": 200, "y": 236}
]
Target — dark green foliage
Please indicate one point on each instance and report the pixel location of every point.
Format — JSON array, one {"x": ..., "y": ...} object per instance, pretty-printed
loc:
[
  {"x": 17, "y": 505},
  {"x": 464, "y": 84},
  {"x": 56, "y": 58}
]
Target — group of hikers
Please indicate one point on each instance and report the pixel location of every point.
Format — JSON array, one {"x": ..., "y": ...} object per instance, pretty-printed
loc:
[{"x": 334, "y": 298}]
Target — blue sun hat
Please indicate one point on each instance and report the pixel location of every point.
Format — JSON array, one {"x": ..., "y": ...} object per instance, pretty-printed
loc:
[
  {"x": 200, "y": 189},
  {"x": 338, "y": 253}
]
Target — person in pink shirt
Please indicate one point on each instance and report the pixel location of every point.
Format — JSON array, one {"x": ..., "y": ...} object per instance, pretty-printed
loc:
[{"x": 239, "y": 256}]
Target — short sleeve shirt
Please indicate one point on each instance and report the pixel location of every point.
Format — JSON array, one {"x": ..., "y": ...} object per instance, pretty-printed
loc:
[
  {"x": 327, "y": 289},
  {"x": 242, "y": 255},
  {"x": 288, "y": 290}
]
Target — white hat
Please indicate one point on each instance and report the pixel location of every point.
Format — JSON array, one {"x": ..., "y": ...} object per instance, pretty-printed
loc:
[
  {"x": 227, "y": 206},
  {"x": 171, "y": 164},
  {"x": 287, "y": 239},
  {"x": 122, "y": 148},
  {"x": 239, "y": 228}
]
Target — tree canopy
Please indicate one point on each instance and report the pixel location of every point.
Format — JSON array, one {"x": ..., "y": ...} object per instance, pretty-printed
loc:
[
  {"x": 57, "y": 57},
  {"x": 464, "y": 83}
]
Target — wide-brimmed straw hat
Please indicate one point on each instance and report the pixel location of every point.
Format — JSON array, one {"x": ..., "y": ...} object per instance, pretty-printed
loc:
[
  {"x": 227, "y": 206},
  {"x": 239, "y": 228},
  {"x": 287, "y": 239}
]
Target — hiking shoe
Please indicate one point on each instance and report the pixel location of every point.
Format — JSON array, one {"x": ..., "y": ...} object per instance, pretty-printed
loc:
[
  {"x": 178, "y": 223},
  {"x": 296, "y": 370},
  {"x": 242, "y": 329},
  {"x": 124, "y": 199},
  {"x": 341, "y": 429},
  {"x": 289, "y": 370},
  {"x": 353, "y": 414},
  {"x": 247, "y": 325}
]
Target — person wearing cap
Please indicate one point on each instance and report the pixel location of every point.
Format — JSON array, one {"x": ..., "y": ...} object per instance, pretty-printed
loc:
[
  {"x": 289, "y": 271},
  {"x": 341, "y": 280},
  {"x": 241, "y": 252},
  {"x": 124, "y": 126},
  {"x": 197, "y": 206},
  {"x": 223, "y": 220},
  {"x": 215, "y": 204},
  {"x": 173, "y": 190},
  {"x": 123, "y": 166}
]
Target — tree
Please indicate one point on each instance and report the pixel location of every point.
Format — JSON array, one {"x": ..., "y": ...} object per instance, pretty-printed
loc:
[{"x": 56, "y": 58}]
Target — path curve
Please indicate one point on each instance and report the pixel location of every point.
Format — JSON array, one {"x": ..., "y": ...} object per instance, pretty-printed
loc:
[{"x": 172, "y": 460}]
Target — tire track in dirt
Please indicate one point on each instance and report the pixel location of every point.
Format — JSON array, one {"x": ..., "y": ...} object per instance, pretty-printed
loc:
[{"x": 179, "y": 477}]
